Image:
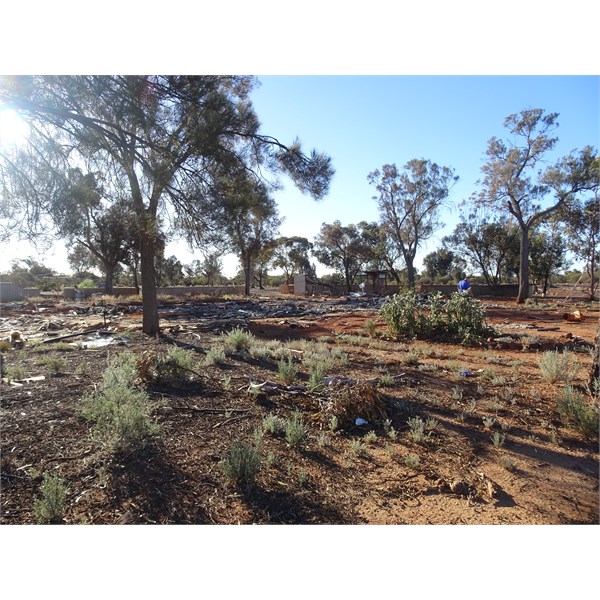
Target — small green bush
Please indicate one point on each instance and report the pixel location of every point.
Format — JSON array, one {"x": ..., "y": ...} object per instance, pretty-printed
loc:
[
  {"x": 51, "y": 507},
  {"x": 242, "y": 463},
  {"x": 370, "y": 327},
  {"x": 55, "y": 364},
  {"x": 273, "y": 424},
  {"x": 315, "y": 379},
  {"x": 465, "y": 319},
  {"x": 287, "y": 371},
  {"x": 119, "y": 412},
  {"x": 239, "y": 339},
  {"x": 404, "y": 316},
  {"x": 575, "y": 411},
  {"x": 556, "y": 366},
  {"x": 296, "y": 430},
  {"x": 14, "y": 372},
  {"x": 215, "y": 356},
  {"x": 418, "y": 431},
  {"x": 176, "y": 366},
  {"x": 412, "y": 461}
]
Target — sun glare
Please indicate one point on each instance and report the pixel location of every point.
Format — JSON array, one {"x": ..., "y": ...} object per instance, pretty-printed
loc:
[{"x": 13, "y": 130}]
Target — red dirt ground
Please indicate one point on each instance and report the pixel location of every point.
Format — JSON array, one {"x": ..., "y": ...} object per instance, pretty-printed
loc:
[{"x": 541, "y": 471}]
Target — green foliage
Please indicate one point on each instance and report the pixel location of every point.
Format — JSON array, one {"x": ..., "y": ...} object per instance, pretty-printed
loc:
[
  {"x": 87, "y": 283},
  {"x": 556, "y": 366},
  {"x": 357, "y": 447},
  {"x": 498, "y": 439},
  {"x": 14, "y": 372},
  {"x": 296, "y": 430},
  {"x": 51, "y": 507},
  {"x": 242, "y": 463},
  {"x": 175, "y": 366},
  {"x": 315, "y": 379},
  {"x": 370, "y": 327},
  {"x": 462, "y": 317},
  {"x": 120, "y": 412},
  {"x": 55, "y": 364},
  {"x": 418, "y": 432},
  {"x": 215, "y": 356},
  {"x": 412, "y": 460},
  {"x": 273, "y": 424},
  {"x": 404, "y": 315},
  {"x": 575, "y": 411},
  {"x": 238, "y": 339},
  {"x": 287, "y": 371}
]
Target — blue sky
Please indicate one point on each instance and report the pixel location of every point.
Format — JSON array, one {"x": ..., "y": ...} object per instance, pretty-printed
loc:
[{"x": 363, "y": 122}]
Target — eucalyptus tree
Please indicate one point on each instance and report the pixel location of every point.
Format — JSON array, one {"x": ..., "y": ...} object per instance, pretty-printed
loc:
[
  {"x": 410, "y": 203},
  {"x": 244, "y": 220},
  {"x": 443, "y": 263},
  {"x": 84, "y": 217},
  {"x": 292, "y": 256},
  {"x": 514, "y": 183},
  {"x": 385, "y": 253},
  {"x": 81, "y": 260},
  {"x": 547, "y": 254},
  {"x": 343, "y": 248},
  {"x": 582, "y": 222},
  {"x": 164, "y": 137},
  {"x": 488, "y": 245}
]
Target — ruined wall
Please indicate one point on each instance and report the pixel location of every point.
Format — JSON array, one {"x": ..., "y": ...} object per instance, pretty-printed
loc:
[{"x": 10, "y": 292}]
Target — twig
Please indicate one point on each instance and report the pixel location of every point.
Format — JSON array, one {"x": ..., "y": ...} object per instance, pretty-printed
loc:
[{"x": 231, "y": 420}]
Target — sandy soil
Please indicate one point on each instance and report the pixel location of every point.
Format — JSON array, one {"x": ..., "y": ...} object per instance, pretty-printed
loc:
[{"x": 496, "y": 452}]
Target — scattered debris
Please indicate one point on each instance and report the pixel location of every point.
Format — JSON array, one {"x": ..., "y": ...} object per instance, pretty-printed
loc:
[
  {"x": 573, "y": 316},
  {"x": 16, "y": 340}
]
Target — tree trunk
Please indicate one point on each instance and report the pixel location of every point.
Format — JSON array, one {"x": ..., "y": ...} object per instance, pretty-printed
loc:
[
  {"x": 108, "y": 279},
  {"x": 347, "y": 277},
  {"x": 247, "y": 276},
  {"x": 410, "y": 271},
  {"x": 592, "y": 275},
  {"x": 594, "y": 380},
  {"x": 524, "y": 267},
  {"x": 136, "y": 283},
  {"x": 150, "y": 321}
]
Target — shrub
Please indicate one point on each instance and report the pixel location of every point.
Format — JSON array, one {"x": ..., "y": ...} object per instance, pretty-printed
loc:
[
  {"x": 215, "y": 356},
  {"x": 357, "y": 447},
  {"x": 51, "y": 507},
  {"x": 242, "y": 463},
  {"x": 370, "y": 328},
  {"x": 418, "y": 432},
  {"x": 296, "y": 430},
  {"x": 287, "y": 371},
  {"x": 465, "y": 318},
  {"x": 461, "y": 317},
  {"x": 557, "y": 367},
  {"x": 175, "y": 366},
  {"x": 120, "y": 412},
  {"x": 498, "y": 439},
  {"x": 403, "y": 314},
  {"x": 273, "y": 424},
  {"x": 370, "y": 437},
  {"x": 315, "y": 379},
  {"x": 55, "y": 364},
  {"x": 574, "y": 410},
  {"x": 412, "y": 461},
  {"x": 14, "y": 372},
  {"x": 239, "y": 339}
]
